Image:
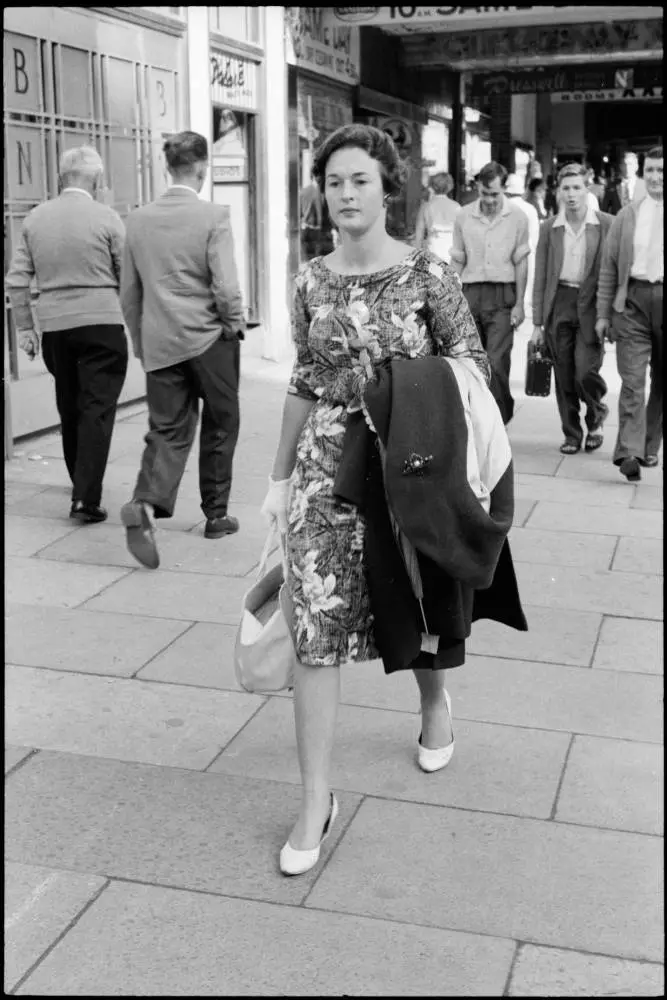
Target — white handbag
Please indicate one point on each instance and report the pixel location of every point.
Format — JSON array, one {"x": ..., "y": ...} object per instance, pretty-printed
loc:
[{"x": 264, "y": 653}]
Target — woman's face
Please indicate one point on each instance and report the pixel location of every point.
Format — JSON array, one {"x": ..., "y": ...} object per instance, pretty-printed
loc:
[{"x": 353, "y": 189}]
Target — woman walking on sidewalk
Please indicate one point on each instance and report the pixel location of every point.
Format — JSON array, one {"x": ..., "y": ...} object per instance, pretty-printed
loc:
[{"x": 370, "y": 301}]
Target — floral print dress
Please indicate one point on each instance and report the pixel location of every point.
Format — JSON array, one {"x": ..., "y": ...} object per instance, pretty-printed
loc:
[{"x": 344, "y": 325}]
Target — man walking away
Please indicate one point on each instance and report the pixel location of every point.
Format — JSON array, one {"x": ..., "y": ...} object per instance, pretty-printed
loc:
[
  {"x": 182, "y": 304},
  {"x": 631, "y": 277},
  {"x": 567, "y": 269},
  {"x": 490, "y": 252},
  {"x": 72, "y": 247}
]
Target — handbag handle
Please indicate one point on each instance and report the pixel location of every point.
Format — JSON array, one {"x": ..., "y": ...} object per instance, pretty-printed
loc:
[{"x": 266, "y": 551}]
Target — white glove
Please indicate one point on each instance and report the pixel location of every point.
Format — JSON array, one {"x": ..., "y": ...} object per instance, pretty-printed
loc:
[
  {"x": 29, "y": 342},
  {"x": 276, "y": 502}
]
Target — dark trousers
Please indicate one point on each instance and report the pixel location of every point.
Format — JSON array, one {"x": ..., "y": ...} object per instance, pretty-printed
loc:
[
  {"x": 576, "y": 368},
  {"x": 638, "y": 335},
  {"x": 88, "y": 364},
  {"x": 491, "y": 305},
  {"x": 173, "y": 396}
]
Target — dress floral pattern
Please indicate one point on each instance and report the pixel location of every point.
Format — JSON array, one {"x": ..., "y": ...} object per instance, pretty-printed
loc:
[{"x": 343, "y": 326}]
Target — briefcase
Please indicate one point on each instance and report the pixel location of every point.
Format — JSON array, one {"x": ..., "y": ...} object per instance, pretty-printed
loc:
[{"x": 538, "y": 372}]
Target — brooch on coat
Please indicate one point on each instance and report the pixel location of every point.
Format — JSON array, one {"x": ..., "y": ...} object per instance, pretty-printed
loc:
[{"x": 416, "y": 465}]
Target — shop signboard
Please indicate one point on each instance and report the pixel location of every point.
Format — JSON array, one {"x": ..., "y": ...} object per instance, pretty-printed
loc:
[
  {"x": 234, "y": 81},
  {"x": 319, "y": 43},
  {"x": 641, "y": 80},
  {"x": 408, "y": 20},
  {"x": 600, "y": 96},
  {"x": 537, "y": 45}
]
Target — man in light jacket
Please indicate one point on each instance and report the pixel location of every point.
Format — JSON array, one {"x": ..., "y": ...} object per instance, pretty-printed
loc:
[
  {"x": 567, "y": 268},
  {"x": 71, "y": 247},
  {"x": 182, "y": 304},
  {"x": 629, "y": 305},
  {"x": 515, "y": 191}
]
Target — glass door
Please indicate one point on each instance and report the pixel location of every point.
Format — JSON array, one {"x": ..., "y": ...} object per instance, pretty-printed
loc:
[{"x": 233, "y": 175}]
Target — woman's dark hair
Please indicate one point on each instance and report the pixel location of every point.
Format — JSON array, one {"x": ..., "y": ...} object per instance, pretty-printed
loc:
[
  {"x": 373, "y": 141},
  {"x": 536, "y": 183},
  {"x": 184, "y": 150}
]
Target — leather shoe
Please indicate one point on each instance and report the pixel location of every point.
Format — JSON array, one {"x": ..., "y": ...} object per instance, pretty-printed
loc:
[
  {"x": 630, "y": 469},
  {"x": 435, "y": 760},
  {"x": 293, "y": 862},
  {"x": 140, "y": 533},
  {"x": 649, "y": 461},
  {"x": 87, "y": 513},
  {"x": 218, "y": 527}
]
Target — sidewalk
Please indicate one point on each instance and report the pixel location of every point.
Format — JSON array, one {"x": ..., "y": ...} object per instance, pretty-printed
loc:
[{"x": 147, "y": 797}]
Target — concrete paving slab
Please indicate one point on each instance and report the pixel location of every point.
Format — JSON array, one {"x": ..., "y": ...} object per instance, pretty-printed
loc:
[
  {"x": 648, "y": 498},
  {"x": 29, "y": 581},
  {"x": 494, "y": 768},
  {"x": 532, "y": 462},
  {"x": 234, "y": 555},
  {"x": 554, "y": 636},
  {"x": 555, "y": 697},
  {"x": 532, "y": 880},
  {"x": 203, "y": 656},
  {"x": 54, "y": 502},
  {"x": 160, "y": 593},
  {"x": 571, "y": 491},
  {"x": 614, "y": 784},
  {"x": 209, "y": 832},
  {"x": 142, "y": 940},
  {"x": 612, "y": 593},
  {"x": 630, "y": 645},
  {"x": 38, "y": 471},
  {"x": 599, "y": 467},
  {"x": 85, "y": 641},
  {"x": 24, "y": 536},
  {"x": 124, "y": 719},
  {"x": 40, "y": 904},
  {"x": 639, "y": 555},
  {"x": 18, "y": 492},
  {"x": 14, "y": 756},
  {"x": 562, "y": 548},
  {"x": 522, "y": 511},
  {"x": 550, "y": 972},
  {"x": 597, "y": 520}
]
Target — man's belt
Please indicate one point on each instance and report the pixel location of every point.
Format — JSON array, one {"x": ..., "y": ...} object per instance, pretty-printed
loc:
[{"x": 568, "y": 284}]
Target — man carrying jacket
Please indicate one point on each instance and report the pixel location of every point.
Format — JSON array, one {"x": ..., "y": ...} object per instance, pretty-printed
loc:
[
  {"x": 182, "y": 304},
  {"x": 629, "y": 306},
  {"x": 567, "y": 267}
]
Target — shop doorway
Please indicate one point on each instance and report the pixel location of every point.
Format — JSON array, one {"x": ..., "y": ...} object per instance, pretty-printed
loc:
[{"x": 234, "y": 185}]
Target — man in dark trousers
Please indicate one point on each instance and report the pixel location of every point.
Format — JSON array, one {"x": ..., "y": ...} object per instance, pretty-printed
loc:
[
  {"x": 629, "y": 308},
  {"x": 567, "y": 268},
  {"x": 490, "y": 251},
  {"x": 182, "y": 305},
  {"x": 71, "y": 247}
]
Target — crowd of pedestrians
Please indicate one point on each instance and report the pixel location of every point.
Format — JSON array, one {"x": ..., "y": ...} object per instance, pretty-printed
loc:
[{"x": 401, "y": 375}]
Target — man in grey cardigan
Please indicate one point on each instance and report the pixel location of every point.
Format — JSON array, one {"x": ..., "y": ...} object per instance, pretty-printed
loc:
[
  {"x": 629, "y": 305},
  {"x": 182, "y": 305},
  {"x": 71, "y": 247}
]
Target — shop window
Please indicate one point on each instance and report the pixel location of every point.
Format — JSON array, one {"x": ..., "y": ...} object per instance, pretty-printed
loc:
[
  {"x": 59, "y": 96},
  {"x": 240, "y": 23}
]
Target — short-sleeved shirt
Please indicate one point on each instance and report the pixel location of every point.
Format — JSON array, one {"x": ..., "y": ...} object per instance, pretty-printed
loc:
[{"x": 490, "y": 249}]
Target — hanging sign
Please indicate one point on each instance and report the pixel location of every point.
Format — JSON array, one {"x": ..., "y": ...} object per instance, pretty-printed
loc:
[
  {"x": 643, "y": 76},
  {"x": 599, "y": 96},
  {"x": 319, "y": 43}
]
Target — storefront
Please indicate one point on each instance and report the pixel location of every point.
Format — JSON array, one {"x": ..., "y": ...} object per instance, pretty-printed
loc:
[
  {"x": 234, "y": 161},
  {"x": 72, "y": 76},
  {"x": 323, "y": 69}
]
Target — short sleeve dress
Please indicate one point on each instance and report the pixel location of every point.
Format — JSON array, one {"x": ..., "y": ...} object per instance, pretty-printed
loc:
[{"x": 343, "y": 326}]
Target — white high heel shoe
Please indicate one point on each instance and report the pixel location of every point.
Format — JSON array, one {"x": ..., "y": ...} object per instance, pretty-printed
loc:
[
  {"x": 293, "y": 862},
  {"x": 435, "y": 760}
]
